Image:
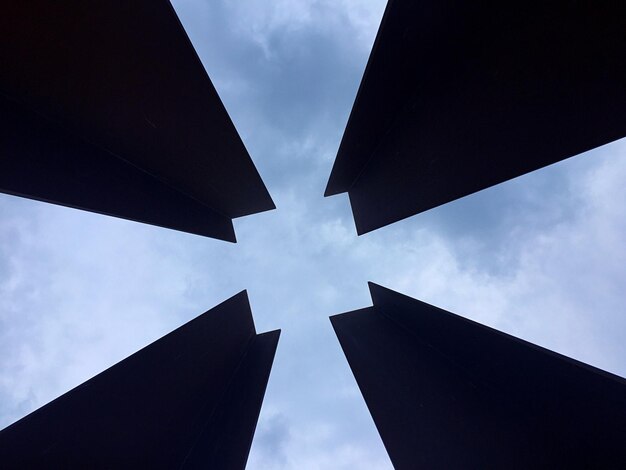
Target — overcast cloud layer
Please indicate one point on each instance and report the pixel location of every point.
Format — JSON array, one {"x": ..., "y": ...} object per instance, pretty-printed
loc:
[{"x": 541, "y": 257}]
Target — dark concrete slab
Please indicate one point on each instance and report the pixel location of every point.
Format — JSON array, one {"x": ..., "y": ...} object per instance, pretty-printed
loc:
[
  {"x": 446, "y": 392},
  {"x": 189, "y": 400},
  {"x": 123, "y": 78},
  {"x": 45, "y": 162},
  {"x": 458, "y": 96}
]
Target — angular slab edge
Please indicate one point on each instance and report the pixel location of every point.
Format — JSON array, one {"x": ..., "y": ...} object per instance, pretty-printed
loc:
[
  {"x": 126, "y": 77},
  {"x": 444, "y": 112},
  {"x": 350, "y": 162},
  {"x": 262, "y": 200},
  {"x": 226, "y": 442},
  {"x": 349, "y": 327},
  {"x": 152, "y": 408},
  {"x": 443, "y": 321},
  {"x": 43, "y": 161},
  {"x": 474, "y": 397}
]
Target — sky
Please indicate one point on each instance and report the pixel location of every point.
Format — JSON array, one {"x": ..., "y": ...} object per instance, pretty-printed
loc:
[{"x": 541, "y": 257}]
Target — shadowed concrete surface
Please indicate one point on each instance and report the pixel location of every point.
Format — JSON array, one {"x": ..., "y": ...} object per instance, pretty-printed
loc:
[
  {"x": 447, "y": 392},
  {"x": 106, "y": 107},
  {"x": 189, "y": 400},
  {"x": 459, "y": 96}
]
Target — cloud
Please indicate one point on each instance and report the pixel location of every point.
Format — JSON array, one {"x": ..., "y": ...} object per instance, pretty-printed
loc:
[
  {"x": 78, "y": 292},
  {"x": 540, "y": 257},
  {"x": 287, "y": 72},
  {"x": 552, "y": 271}
]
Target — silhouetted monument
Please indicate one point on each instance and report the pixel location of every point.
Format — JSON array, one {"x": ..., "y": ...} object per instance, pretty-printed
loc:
[
  {"x": 447, "y": 392},
  {"x": 458, "y": 96},
  {"x": 189, "y": 400},
  {"x": 106, "y": 107}
]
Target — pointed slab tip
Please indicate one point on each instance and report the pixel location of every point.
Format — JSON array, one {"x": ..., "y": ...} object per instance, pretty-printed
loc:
[
  {"x": 331, "y": 190},
  {"x": 362, "y": 217},
  {"x": 337, "y": 317},
  {"x": 360, "y": 222}
]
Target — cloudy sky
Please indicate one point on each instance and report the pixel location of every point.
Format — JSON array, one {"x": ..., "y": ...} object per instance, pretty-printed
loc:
[{"x": 542, "y": 257}]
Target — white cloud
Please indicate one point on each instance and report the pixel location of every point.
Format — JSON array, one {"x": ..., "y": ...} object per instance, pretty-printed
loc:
[
  {"x": 541, "y": 260},
  {"x": 82, "y": 291},
  {"x": 261, "y": 20},
  {"x": 560, "y": 284}
]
